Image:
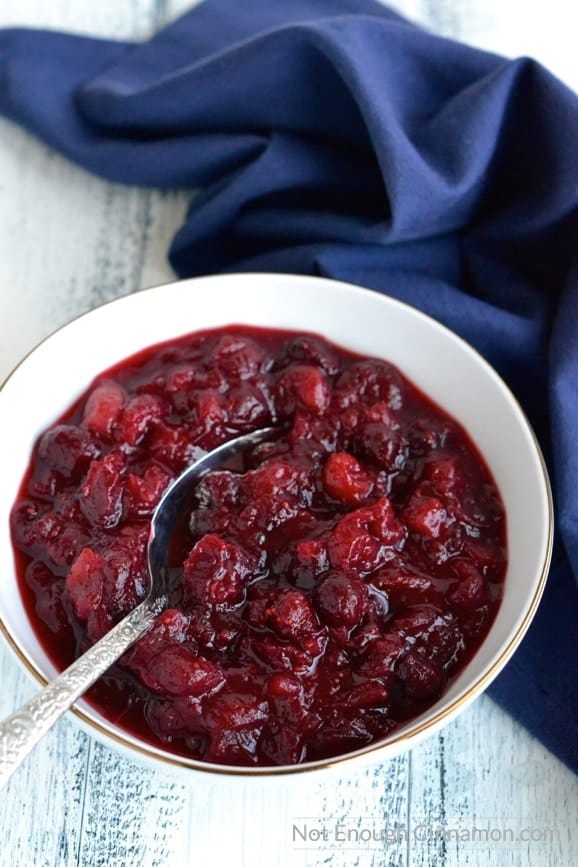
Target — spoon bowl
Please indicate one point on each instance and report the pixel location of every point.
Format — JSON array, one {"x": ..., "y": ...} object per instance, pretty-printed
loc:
[{"x": 21, "y": 731}]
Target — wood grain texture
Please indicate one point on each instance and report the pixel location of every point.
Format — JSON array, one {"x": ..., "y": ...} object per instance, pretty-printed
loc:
[{"x": 68, "y": 241}]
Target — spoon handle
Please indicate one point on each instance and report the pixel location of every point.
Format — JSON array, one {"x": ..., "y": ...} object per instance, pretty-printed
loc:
[{"x": 21, "y": 731}]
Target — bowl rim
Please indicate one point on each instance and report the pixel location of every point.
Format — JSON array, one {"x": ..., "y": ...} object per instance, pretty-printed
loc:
[{"x": 396, "y": 741}]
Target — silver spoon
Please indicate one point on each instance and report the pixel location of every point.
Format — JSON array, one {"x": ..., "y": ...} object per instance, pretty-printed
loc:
[{"x": 21, "y": 731}]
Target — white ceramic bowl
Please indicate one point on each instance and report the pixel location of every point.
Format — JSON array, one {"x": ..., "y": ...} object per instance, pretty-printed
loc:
[{"x": 437, "y": 361}]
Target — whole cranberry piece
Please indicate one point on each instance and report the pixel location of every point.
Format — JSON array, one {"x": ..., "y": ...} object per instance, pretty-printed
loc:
[
  {"x": 312, "y": 350},
  {"x": 471, "y": 590},
  {"x": 344, "y": 729},
  {"x": 352, "y": 549},
  {"x": 278, "y": 478},
  {"x": 182, "y": 384},
  {"x": 169, "y": 628},
  {"x": 85, "y": 583},
  {"x": 102, "y": 491},
  {"x": 234, "y": 711},
  {"x": 364, "y": 539},
  {"x": 282, "y": 686},
  {"x": 179, "y": 716},
  {"x": 267, "y": 514},
  {"x": 142, "y": 493},
  {"x": 282, "y": 745},
  {"x": 176, "y": 670},
  {"x": 426, "y": 516},
  {"x": 126, "y": 577},
  {"x": 234, "y": 722},
  {"x": 422, "y": 678},
  {"x": 381, "y": 655},
  {"x": 446, "y": 475},
  {"x": 312, "y": 438},
  {"x": 215, "y": 572},
  {"x": 210, "y": 409},
  {"x": 437, "y": 634},
  {"x": 292, "y": 617},
  {"x": 68, "y": 450},
  {"x": 287, "y": 697},
  {"x": 404, "y": 587},
  {"x": 247, "y": 407},
  {"x": 24, "y": 524},
  {"x": 344, "y": 479},
  {"x": 103, "y": 409},
  {"x": 48, "y": 593},
  {"x": 140, "y": 415},
  {"x": 303, "y": 386},
  {"x": 383, "y": 444},
  {"x": 340, "y": 600},
  {"x": 64, "y": 545},
  {"x": 368, "y": 694},
  {"x": 173, "y": 446},
  {"x": 310, "y": 558},
  {"x": 238, "y": 357},
  {"x": 383, "y": 522},
  {"x": 370, "y": 380}
]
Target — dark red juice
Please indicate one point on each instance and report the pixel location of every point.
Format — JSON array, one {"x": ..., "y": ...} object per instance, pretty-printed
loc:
[{"x": 330, "y": 587}]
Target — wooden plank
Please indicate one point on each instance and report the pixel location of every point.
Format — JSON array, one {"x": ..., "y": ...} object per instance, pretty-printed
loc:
[
  {"x": 41, "y": 807},
  {"x": 314, "y": 823},
  {"x": 502, "y": 780},
  {"x": 132, "y": 816},
  {"x": 266, "y": 827},
  {"x": 69, "y": 242},
  {"x": 483, "y": 785},
  {"x": 116, "y": 19}
]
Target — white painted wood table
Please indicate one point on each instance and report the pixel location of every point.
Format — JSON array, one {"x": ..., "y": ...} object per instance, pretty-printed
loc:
[{"x": 68, "y": 242}]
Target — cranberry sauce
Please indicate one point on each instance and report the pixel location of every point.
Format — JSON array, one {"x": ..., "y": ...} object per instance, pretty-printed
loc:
[{"x": 330, "y": 587}]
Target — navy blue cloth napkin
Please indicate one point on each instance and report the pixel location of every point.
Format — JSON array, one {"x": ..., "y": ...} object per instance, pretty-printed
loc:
[{"x": 332, "y": 137}]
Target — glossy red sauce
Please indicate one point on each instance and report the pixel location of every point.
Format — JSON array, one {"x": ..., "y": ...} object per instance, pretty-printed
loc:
[{"x": 330, "y": 588}]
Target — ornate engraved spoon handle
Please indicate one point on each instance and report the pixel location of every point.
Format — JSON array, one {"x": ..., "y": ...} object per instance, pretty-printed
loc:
[{"x": 20, "y": 733}]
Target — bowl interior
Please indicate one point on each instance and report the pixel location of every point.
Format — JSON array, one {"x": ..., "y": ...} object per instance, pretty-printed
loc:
[{"x": 438, "y": 362}]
